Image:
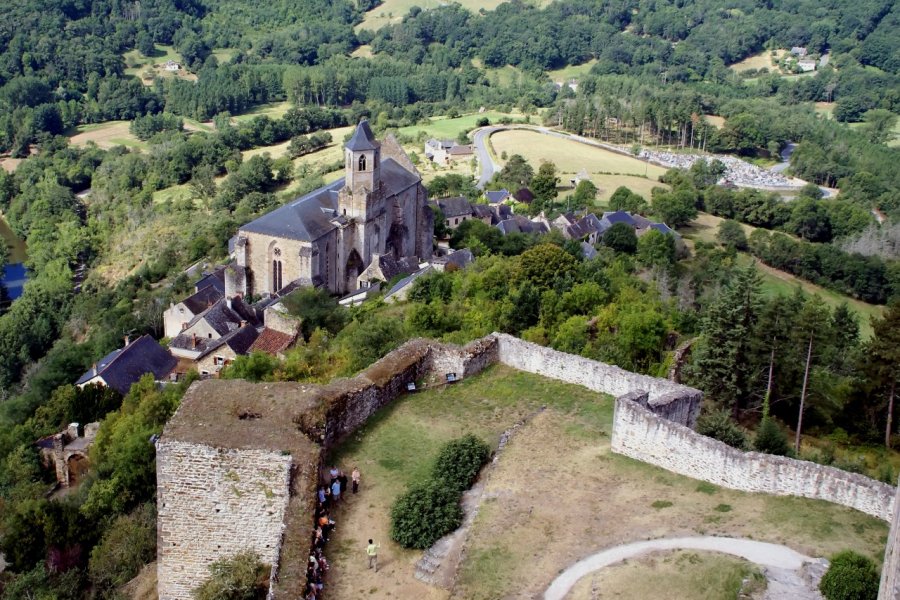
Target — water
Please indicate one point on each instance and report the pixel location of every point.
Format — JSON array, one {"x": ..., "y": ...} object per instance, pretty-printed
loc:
[{"x": 14, "y": 275}]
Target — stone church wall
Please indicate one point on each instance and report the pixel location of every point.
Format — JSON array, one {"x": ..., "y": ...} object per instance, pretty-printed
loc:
[
  {"x": 650, "y": 438},
  {"x": 214, "y": 503}
]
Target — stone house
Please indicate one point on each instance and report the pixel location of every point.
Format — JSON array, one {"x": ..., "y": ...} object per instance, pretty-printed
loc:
[
  {"x": 498, "y": 196},
  {"x": 328, "y": 237},
  {"x": 443, "y": 152},
  {"x": 122, "y": 367},
  {"x": 177, "y": 317},
  {"x": 455, "y": 210},
  {"x": 171, "y": 66},
  {"x": 222, "y": 352},
  {"x": 458, "y": 259},
  {"x": 384, "y": 268},
  {"x": 806, "y": 66},
  {"x": 220, "y": 319}
]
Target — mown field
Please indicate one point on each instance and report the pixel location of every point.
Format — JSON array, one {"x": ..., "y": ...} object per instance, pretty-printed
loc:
[
  {"x": 556, "y": 494},
  {"x": 107, "y": 135},
  {"x": 447, "y": 128},
  {"x": 569, "y": 156}
]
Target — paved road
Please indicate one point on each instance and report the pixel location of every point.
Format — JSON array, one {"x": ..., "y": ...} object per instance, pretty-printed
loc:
[
  {"x": 767, "y": 555},
  {"x": 785, "y": 158}
]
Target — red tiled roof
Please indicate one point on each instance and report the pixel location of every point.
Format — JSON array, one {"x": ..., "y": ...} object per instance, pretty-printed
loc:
[{"x": 271, "y": 341}]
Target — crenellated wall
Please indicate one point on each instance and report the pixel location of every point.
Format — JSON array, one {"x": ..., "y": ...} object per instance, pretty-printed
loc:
[{"x": 651, "y": 438}]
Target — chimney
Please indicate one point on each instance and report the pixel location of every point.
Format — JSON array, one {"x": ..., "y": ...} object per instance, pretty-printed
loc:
[
  {"x": 243, "y": 323},
  {"x": 94, "y": 369},
  {"x": 194, "y": 340},
  {"x": 127, "y": 340},
  {"x": 228, "y": 303}
]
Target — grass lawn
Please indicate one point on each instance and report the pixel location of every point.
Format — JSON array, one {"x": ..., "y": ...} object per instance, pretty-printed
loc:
[
  {"x": 224, "y": 55},
  {"x": 569, "y": 156},
  {"x": 778, "y": 282},
  {"x": 571, "y": 71},
  {"x": 274, "y": 110},
  {"x": 556, "y": 494},
  {"x": 758, "y": 61},
  {"x": 684, "y": 575},
  {"x": 106, "y": 135},
  {"x": 364, "y": 51},
  {"x": 138, "y": 65},
  {"x": 446, "y": 128},
  {"x": 173, "y": 194},
  {"x": 504, "y": 76}
]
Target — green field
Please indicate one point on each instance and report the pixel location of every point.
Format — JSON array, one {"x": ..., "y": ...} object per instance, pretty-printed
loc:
[
  {"x": 274, "y": 110},
  {"x": 107, "y": 135},
  {"x": 445, "y": 128},
  {"x": 572, "y": 72}
]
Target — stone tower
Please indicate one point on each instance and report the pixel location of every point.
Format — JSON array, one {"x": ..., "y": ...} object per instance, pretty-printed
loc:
[{"x": 362, "y": 184}]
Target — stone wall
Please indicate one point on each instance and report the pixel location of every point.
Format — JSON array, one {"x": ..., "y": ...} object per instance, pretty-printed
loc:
[
  {"x": 214, "y": 503},
  {"x": 890, "y": 571},
  {"x": 651, "y": 438},
  {"x": 676, "y": 402}
]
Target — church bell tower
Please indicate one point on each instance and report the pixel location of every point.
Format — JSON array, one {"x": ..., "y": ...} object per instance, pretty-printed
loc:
[{"x": 362, "y": 164}]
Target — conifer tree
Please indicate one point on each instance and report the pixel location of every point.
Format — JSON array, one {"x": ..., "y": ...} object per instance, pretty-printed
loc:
[{"x": 883, "y": 352}]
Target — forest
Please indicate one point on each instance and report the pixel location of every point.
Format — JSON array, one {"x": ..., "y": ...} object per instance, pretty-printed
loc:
[{"x": 657, "y": 72}]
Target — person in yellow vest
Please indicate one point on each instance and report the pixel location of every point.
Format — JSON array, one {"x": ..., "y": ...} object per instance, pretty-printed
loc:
[{"x": 372, "y": 553}]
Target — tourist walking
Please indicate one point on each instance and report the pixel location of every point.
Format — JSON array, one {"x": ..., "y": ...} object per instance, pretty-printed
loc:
[
  {"x": 355, "y": 477},
  {"x": 372, "y": 553}
]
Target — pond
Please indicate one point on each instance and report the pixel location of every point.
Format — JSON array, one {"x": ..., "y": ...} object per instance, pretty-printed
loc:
[{"x": 14, "y": 274}]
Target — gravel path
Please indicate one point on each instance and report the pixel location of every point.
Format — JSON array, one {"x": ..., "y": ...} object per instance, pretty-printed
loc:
[{"x": 771, "y": 556}]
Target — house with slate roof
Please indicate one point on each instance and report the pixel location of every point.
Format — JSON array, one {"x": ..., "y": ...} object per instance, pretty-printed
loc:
[
  {"x": 456, "y": 210},
  {"x": 328, "y": 237},
  {"x": 498, "y": 196},
  {"x": 123, "y": 367}
]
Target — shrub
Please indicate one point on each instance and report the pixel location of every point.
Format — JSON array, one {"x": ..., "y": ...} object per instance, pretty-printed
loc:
[
  {"x": 127, "y": 545},
  {"x": 851, "y": 576},
  {"x": 425, "y": 513},
  {"x": 241, "y": 577},
  {"x": 718, "y": 425},
  {"x": 460, "y": 460},
  {"x": 770, "y": 438}
]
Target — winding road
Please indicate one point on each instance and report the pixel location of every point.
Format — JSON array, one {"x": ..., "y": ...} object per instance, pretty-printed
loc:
[{"x": 780, "y": 561}]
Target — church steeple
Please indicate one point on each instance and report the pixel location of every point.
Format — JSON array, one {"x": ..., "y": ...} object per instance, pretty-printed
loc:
[{"x": 363, "y": 160}]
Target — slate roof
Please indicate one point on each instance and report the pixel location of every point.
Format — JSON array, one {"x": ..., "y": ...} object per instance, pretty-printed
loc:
[
  {"x": 222, "y": 318},
  {"x": 123, "y": 367},
  {"x": 215, "y": 279},
  {"x": 311, "y": 216},
  {"x": 585, "y": 227},
  {"x": 619, "y": 216},
  {"x": 205, "y": 298},
  {"x": 460, "y": 258},
  {"x": 496, "y": 197},
  {"x": 641, "y": 222},
  {"x": 455, "y": 207},
  {"x": 663, "y": 228},
  {"x": 520, "y": 224},
  {"x": 460, "y": 150},
  {"x": 363, "y": 138},
  {"x": 588, "y": 251},
  {"x": 272, "y": 341},
  {"x": 407, "y": 281},
  {"x": 482, "y": 210}
]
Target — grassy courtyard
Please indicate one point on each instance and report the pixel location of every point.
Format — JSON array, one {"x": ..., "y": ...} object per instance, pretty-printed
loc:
[{"x": 556, "y": 495}]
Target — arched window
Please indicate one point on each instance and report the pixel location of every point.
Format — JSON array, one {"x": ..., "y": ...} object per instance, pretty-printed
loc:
[
  {"x": 362, "y": 162},
  {"x": 276, "y": 276}
]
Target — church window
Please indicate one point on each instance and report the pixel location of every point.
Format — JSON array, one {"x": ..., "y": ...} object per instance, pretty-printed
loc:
[
  {"x": 276, "y": 276},
  {"x": 362, "y": 162}
]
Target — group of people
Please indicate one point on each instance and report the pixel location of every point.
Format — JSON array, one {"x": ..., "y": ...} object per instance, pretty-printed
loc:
[
  {"x": 328, "y": 496},
  {"x": 737, "y": 171}
]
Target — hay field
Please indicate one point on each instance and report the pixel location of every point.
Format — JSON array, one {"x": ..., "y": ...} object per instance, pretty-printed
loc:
[
  {"x": 569, "y": 156},
  {"x": 107, "y": 135},
  {"x": 758, "y": 61}
]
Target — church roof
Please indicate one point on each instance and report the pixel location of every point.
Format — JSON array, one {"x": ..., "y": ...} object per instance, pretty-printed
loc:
[
  {"x": 311, "y": 216},
  {"x": 363, "y": 138}
]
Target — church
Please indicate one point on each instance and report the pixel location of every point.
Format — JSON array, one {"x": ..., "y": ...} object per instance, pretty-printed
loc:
[{"x": 328, "y": 237}]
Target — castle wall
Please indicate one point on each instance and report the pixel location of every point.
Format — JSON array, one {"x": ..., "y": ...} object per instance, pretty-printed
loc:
[
  {"x": 890, "y": 571},
  {"x": 675, "y": 401},
  {"x": 214, "y": 503},
  {"x": 650, "y": 438}
]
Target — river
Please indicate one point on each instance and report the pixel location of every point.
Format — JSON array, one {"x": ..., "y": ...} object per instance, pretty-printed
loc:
[{"x": 14, "y": 274}]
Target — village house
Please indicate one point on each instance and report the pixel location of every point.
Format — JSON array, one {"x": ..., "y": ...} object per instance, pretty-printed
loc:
[
  {"x": 458, "y": 259},
  {"x": 806, "y": 65},
  {"x": 171, "y": 66},
  {"x": 498, "y": 196},
  {"x": 122, "y": 367},
  {"x": 386, "y": 267},
  {"x": 220, "y": 353},
  {"x": 444, "y": 152},
  {"x": 216, "y": 336},
  {"x": 455, "y": 210},
  {"x": 400, "y": 290},
  {"x": 208, "y": 291},
  {"x": 328, "y": 237}
]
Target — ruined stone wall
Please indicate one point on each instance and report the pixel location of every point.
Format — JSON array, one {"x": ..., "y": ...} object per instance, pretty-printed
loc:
[
  {"x": 214, "y": 503},
  {"x": 464, "y": 361},
  {"x": 645, "y": 436},
  {"x": 675, "y": 402},
  {"x": 890, "y": 571}
]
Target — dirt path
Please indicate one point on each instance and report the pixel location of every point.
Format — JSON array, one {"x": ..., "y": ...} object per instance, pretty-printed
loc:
[{"x": 762, "y": 553}]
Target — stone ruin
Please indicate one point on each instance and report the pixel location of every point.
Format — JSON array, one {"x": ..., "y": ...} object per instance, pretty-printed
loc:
[{"x": 238, "y": 463}]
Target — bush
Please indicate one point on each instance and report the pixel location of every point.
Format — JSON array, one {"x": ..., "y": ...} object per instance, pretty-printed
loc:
[
  {"x": 770, "y": 438},
  {"x": 851, "y": 576},
  {"x": 241, "y": 577},
  {"x": 425, "y": 513},
  {"x": 127, "y": 545},
  {"x": 718, "y": 425},
  {"x": 460, "y": 460}
]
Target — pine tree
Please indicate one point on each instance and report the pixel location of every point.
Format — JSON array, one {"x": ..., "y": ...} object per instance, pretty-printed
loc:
[
  {"x": 883, "y": 352},
  {"x": 812, "y": 327},
  {"x": 723, "y": 366}
]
